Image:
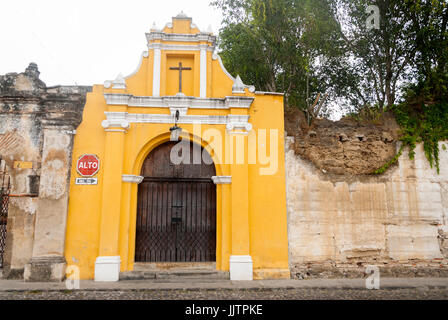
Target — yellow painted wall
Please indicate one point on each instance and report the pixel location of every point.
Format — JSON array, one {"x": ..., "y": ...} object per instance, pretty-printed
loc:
[{"x": 251, "y": 212}]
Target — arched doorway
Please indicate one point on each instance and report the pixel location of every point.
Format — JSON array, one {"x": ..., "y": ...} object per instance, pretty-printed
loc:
[{"x": 176, "y": 212}]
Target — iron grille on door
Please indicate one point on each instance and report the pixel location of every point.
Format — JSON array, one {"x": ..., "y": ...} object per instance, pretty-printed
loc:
[
  {"x": 4, "y": 202},
  {"x": 177, "y": 221},
  {"x": 176, "y": 218}
]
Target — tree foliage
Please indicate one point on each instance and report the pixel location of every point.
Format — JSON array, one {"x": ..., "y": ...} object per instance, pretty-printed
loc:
[
  {"x": 280, "y": 45},
  {"x": 429, "y": 20},
  {"x": 307, "y": 47},
  {"x": 378, "y": 59},
  {"x": 423, "y": 113}
]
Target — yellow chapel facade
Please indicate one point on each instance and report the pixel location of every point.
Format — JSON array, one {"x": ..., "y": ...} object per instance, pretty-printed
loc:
[{"x": 189, "y": 166}]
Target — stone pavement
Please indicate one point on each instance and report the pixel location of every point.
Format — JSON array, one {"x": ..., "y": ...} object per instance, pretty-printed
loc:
[{"x": 336, "y": 284}]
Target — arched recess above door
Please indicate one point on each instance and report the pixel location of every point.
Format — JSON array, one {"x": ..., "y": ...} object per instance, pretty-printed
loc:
[{"x": 159, "y": 164}]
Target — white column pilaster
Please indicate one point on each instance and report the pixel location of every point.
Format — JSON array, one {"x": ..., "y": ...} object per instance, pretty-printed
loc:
[
  {"x": 203, "y": 72},
  {"x": 156, "y": 72}
]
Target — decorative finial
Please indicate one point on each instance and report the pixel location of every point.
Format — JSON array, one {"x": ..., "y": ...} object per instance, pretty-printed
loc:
[
  {"x": 182, "y": 15},
  {"x": 154, "y": 27},
  {"x": 238, "y": 85},
  {"x": 119, "y": 82},
  {"x": 209, "y": 29}
]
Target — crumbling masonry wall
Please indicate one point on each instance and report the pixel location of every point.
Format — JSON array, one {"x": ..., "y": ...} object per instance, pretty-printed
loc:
[
  {"x": 37, "y": 125},
  {"x": 339, "y": 221}
]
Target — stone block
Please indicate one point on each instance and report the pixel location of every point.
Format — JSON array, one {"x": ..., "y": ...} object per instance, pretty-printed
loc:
[
  {"x": 413, "y": 242},
  {"x": 45, "y": 269}
]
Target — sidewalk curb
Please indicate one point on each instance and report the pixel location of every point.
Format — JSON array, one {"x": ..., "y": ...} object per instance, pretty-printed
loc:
[{"x": 262, "y": 285}]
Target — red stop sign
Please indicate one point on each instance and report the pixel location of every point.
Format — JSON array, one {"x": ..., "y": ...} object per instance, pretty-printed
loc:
[{"x": 88, "y": 165}]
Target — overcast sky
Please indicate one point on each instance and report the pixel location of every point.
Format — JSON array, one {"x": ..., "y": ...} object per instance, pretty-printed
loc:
[{"x": 86, "y": 42}]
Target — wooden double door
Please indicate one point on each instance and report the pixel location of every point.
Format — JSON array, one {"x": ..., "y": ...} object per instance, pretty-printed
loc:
[{"x": 176, "y": 218}]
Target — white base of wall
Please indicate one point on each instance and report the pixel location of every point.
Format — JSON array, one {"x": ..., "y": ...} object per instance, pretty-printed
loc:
[
  {"x": 107, "y": 269},
  {"x": 241, "y": 268}
]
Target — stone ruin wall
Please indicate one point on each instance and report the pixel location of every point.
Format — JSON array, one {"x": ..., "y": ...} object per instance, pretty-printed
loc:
[
  {"x": 36, "y": 126},
  {"x": 20, "y": 140},
  {"x": 341, "y": 219}
]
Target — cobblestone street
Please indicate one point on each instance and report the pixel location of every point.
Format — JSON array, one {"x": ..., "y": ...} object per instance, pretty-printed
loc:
[{"x": 230, "y": 294}]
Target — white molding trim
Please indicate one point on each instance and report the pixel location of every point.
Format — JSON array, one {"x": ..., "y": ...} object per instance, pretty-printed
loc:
[
  {"x": 116, "y": 120},
  {"x": 119, "y": 99},
  {"x": 203, "y": 73},
  {"x": 241, "y": 268},
  {"x": 177, "y": 47},
  {"x": 107, "y": 269},
  {"x": 132, "y": 179},
  {"x": 236, "y": 126},
  {"x": 156, "y": 72},
  {"x": 179, "y": 37},
  {"x": 238, "y": 102},
  {"x": 264, "y": 93},
  {"x": 124, "y": 119},
  {"x": 222, "y": 179}
]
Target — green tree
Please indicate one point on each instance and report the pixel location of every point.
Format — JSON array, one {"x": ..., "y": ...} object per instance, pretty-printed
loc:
[
  {"x": 429, "y": 25},
  {"x": 280, "y": 45},
  {"x": 423, "y": 115},
  {"x": 312, "y": 48},
  {"x": 378, "y": 58}
]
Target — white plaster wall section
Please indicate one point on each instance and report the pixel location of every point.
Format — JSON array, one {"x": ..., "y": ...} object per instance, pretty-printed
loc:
[
  {"x": 288, "y": 141},
  {"x": 444, "y": 196},
  {"x": 21, "y": 220},
  {"x": 417, "y": 241},
  {"x": 429, "y": 201},
  {"x": 394, "y": 216},
  {"x": 361, "y": 220},
  {"x": 311, "y": 234},
  {"x": 27, "y": 205},
  {"x": 55, "y": 160}
]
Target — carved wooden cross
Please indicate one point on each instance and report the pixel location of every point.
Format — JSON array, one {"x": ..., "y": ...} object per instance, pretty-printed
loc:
[{"x": 180, "y": 68}]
